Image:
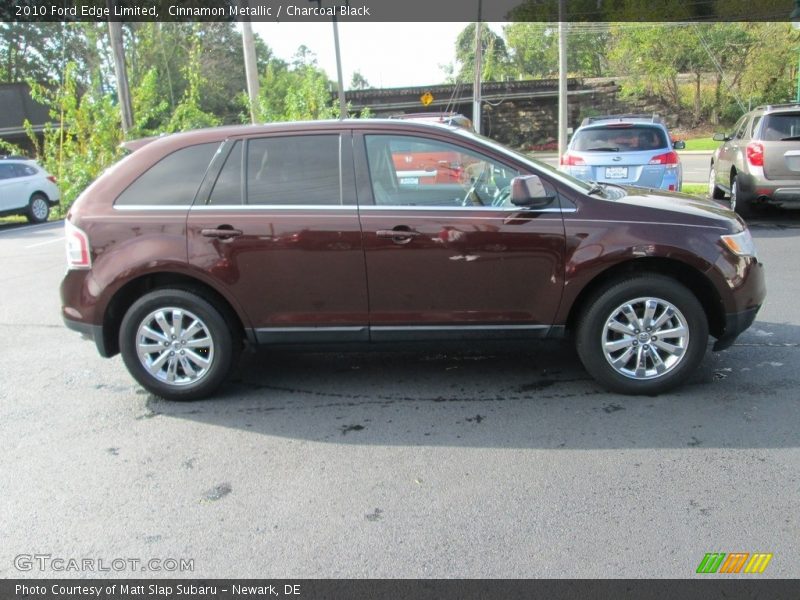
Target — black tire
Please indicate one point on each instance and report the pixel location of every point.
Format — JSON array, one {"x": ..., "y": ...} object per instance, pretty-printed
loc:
[
  {"x": 714, "y": 192},
  {"x": 593, "y": 336},
  {"x": 38, "y": 209},
  {"x": 188, "y": 351},
  {"x": 740, "y": 203}
]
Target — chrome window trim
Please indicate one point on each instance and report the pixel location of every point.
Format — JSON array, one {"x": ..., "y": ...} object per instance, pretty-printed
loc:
[{"x": 337, "y": 207}]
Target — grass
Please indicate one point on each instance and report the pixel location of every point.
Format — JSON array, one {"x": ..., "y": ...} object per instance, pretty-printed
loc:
[
  {"x": 695, "y": 189},
  {"x": 706, "y": 143}
]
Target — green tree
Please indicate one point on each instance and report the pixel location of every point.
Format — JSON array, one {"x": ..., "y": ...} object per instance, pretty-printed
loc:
[
  {"x": 359, "y": 82},
  {"x": 495, "y": 63}
]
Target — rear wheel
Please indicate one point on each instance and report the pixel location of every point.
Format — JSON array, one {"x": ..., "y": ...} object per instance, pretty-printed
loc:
[
  {"x": 642, "y": 335},
  {"x": 38, "y": 209},
  {"x": 739, "y": 202},
  {"x": 177, "y": 345},
  {"x": 713, "y": 191}
]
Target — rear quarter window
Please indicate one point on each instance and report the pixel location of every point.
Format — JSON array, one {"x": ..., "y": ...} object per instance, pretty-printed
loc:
[{"x": 172, "y": 181}]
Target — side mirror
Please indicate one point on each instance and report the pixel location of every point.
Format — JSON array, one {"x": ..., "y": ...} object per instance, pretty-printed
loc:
[
  {"x": 529, "y": 191},
  {"x": 679, "y": 145},
  {"x": 720, "y": 137}
]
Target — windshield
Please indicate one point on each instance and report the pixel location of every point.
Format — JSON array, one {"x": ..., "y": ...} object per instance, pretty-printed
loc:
[{"x": 582, "y": 186}]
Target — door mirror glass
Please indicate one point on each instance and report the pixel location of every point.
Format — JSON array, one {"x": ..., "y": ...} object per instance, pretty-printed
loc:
[
  {"x": 530, "y": 191},
  {"x": 679, "y": 145},
  {"x": 720, "y": 137}
]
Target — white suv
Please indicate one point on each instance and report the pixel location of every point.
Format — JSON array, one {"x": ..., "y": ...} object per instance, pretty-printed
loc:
[{"x": 26, "y": 189}]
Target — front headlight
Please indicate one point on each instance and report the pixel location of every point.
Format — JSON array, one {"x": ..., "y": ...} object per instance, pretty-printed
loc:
[{"x": 741, "y": 244}]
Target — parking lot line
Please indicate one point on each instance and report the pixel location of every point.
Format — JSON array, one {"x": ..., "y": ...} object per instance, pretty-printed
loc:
[{"x": 44, "y": 243}]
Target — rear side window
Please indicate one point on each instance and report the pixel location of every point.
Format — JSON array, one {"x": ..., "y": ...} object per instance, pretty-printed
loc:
[
  {"x": 620, "y": 139},
  {"x": 228, "y": 188},
  {"x": 172, "y": 181},
  {"x": 781, "y": 127},
  {"x": 303, "y": 169}
]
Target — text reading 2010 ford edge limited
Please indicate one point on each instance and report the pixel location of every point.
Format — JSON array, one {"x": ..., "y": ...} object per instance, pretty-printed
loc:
[{"x": 372, "y": 231}]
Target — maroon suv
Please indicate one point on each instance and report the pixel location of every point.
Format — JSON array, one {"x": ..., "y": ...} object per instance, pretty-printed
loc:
[{"x": 305, "y": 233}]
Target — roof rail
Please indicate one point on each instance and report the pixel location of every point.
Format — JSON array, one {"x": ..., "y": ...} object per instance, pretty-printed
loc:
[
  {"x": 786, "y": 105},
  {"x": 653, "y": 117}
]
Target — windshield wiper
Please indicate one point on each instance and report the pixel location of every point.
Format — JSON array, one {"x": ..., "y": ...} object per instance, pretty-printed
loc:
[
  {"x": 603, "y": 149},
  {"x": 793, "y": 138},
  {"x": 597, "y": 188}
]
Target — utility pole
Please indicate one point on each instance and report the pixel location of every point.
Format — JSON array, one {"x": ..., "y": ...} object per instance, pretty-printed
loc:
[
  {"x": 342, "y": 101},
  {"x": 476, "y": 85},
  {"x": 250, "y": 66},
  {"x": 562, "y": 79},
  {"x": 123, "y": 91}
]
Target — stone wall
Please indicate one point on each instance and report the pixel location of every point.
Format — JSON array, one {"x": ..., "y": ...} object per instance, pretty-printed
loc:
[{"x": 532, "y": 123}]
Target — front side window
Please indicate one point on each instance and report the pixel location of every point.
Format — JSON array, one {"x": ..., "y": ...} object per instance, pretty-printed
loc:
[
  {"x": 172, "y": 181},
  {"x": 294, "y": 170},
  {"x": 414, "y": 171}
]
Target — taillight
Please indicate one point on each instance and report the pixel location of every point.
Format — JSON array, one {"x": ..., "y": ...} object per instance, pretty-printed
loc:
[
  {"x": 755, "y": 154},
  {"x": 78, "y": 251},
  {"x": 52, "y": 178},
  {"x": 668, "y": 158},
  {"x": 570, "y": 160}
]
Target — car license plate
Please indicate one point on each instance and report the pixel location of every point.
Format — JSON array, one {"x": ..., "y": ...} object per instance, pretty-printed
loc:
[
  {"x": 409, "y": 181},
  {"x": 616, "y": 172}
]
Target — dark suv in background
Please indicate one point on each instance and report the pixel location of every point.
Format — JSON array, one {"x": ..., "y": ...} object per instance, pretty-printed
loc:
[
  {"x": 303, "y": 234},
  {"x": 758, "y": 162}
]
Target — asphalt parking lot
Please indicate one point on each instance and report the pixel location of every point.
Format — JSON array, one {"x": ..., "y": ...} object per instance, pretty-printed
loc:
[{"x": 479, "y": 464}]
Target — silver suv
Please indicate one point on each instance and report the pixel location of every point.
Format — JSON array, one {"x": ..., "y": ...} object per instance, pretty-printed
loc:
[
  {"x": 625, "y": 150},
  {"x": 759, "y": 161}
]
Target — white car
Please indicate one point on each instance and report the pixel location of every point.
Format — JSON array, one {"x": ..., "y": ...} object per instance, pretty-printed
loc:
[{"x": 26, "y": 189}]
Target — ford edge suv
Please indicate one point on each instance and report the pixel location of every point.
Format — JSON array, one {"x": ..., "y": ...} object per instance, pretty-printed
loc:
[{"x": 301, "y": 234}]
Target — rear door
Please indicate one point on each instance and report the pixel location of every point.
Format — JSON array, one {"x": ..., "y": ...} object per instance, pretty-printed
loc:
[
  {"x": 12, "y": 188},
  {"x": 454, "y": 260},
  {"x": 780, "y": 134},
  {"x": 277, "y": 228}
]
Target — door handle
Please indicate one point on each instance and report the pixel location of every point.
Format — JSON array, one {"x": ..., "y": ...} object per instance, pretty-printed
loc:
[
  {"x": 397, "y": 233},
  {"x": 222, "y": 232}
]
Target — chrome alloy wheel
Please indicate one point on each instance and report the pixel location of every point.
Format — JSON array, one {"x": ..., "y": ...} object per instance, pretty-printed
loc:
[
  {"x": 645, "y": 338},
  {"x": 39, "y": 208},
  {"x": 175, "y": 346}
]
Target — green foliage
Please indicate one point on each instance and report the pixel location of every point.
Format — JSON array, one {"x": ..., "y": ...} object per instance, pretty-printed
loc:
[
  {"x": 188, "y": 114},
  {"x": 87, "y": 137},
  {"x": 495, "y": 62},
  {"x": 533, "y": 48},
  {"x": 299, "y": 92},
  {"x": 358, "y": 81}
]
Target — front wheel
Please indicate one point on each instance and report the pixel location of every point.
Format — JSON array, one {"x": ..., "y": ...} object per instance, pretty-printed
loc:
[
  {"x": 176, "y": 344},
  {"x": 642, "y": 335}
]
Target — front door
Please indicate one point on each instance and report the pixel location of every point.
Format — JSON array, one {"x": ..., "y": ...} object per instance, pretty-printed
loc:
[
  {"x": 448, "y": 256},
  {"x": 279, "y": 231}
]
